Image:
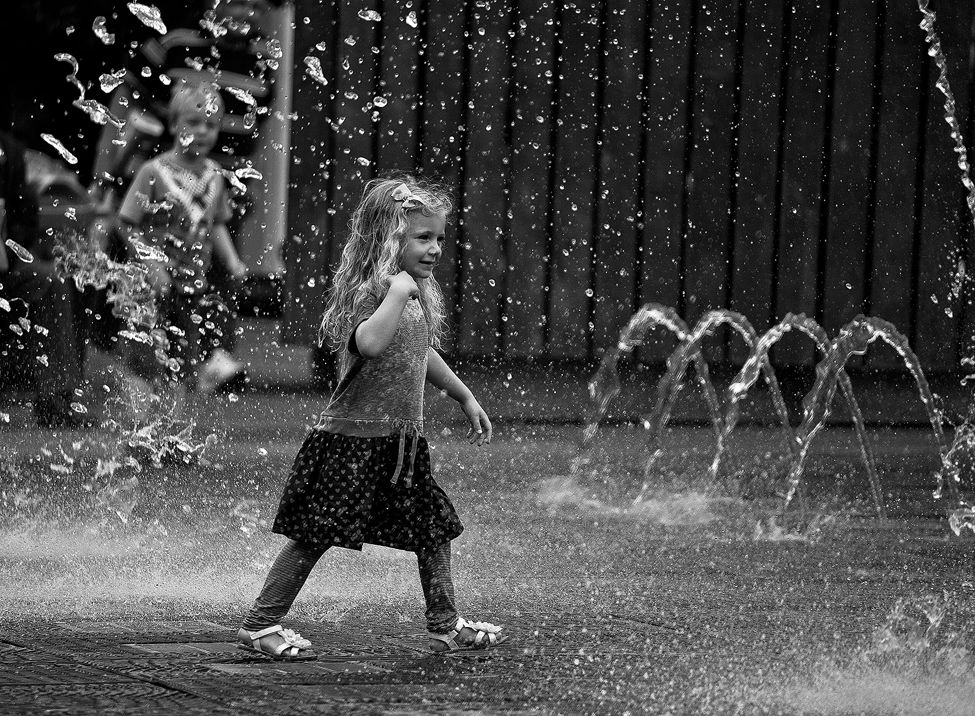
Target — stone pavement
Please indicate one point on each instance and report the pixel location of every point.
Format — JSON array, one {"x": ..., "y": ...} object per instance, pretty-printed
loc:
[{"x": 188, "y": 666}]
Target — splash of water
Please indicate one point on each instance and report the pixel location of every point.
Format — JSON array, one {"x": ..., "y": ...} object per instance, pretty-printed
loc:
[
  {"x": 98, "y": 26},
  {"x": 313, "y": 67},
  {"x": 934, "y": 50},
  {"x": 759, "y": 358},
  {"x": 59, "y": 148},
  {"x": 148, "y": 15},
  {"x": 99, "y": 113},
  {"x": 854, "y": 339}
]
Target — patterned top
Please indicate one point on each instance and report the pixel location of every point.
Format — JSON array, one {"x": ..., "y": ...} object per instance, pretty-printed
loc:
[
  {"x": 383, "y": 395},
  {"x": 178, "y": 207}
]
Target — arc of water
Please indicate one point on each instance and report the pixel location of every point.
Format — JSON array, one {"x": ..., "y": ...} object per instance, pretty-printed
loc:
[
  {"x": 749, "y": 374},
  {"x": 677, "y": 364},
  {"x": 854, "y": 338},
  {"x": 605, "y": 384}
]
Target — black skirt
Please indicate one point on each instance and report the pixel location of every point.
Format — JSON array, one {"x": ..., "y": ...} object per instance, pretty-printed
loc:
[{"x": 341, "y": 493}]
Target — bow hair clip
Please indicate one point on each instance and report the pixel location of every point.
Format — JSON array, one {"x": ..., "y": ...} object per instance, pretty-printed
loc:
[{"x": 403, "y": 194}]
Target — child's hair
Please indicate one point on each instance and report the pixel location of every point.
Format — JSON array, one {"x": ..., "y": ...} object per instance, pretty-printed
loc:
[
  {"x": 371, "y": 255},
  {"x": 194, "y": 97}
]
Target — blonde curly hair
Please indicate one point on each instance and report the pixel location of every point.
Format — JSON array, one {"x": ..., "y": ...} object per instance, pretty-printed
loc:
[{"x": 372, "y": 251}]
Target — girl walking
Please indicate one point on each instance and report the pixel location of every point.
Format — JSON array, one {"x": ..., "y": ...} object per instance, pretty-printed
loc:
[{"x": 363, "y": 473}]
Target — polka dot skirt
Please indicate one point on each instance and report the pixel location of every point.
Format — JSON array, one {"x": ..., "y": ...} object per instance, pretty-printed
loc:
[{"x": 340, "y": 493}]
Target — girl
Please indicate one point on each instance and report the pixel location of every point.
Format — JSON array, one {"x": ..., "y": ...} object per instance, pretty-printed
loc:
[{"x": 363, "y": 473}]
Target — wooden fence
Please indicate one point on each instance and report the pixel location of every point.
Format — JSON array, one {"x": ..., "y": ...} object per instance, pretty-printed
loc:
[{"x": 761, "y": 155}]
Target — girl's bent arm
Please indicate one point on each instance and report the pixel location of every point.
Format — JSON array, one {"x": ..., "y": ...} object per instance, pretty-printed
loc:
[
  {"x": 441, "y": 376},
  {"x": 374, "y": 334}
]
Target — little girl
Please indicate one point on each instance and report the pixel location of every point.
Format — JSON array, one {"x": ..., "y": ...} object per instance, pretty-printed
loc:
[{"x": 363, "y": 473}]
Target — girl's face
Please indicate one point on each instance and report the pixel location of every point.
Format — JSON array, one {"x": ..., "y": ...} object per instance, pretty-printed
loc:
[{"x": 423, "y": 244}]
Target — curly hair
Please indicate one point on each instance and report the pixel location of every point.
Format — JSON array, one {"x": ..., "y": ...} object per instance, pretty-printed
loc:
[{"x": 372, "y": 251}]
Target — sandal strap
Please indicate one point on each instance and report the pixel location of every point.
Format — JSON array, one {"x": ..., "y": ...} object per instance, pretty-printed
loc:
[
  {"x": 447, "y": 638},
  {"x": 257, "y": 635}
]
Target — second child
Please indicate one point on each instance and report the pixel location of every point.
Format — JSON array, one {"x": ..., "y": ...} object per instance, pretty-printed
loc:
[{"x": 174, "y": 216}]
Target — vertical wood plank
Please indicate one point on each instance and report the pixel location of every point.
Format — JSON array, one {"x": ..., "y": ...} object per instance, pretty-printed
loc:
[
  {"x": 487, "y": 167},
  {"x": 620, "y": 166},
  {"x": 442, "y": 130},
  {"x": 754, "y": 220},
  {"x": 530, "y": 158},
  {"x": 851, "y": 159},
  {"x": 307, "y": 246},
  {"x": 890, "y": 281},
  {"x": 707, "y": 241},
  {"x": 353, "y": 124},
  {"x": 661, "y": 236},
  {"x": 945, "y": 217},
  {"x": 802, "y": 165},
  {"x": 397, "y": 124},
  {"x": 575, "y": 177}
]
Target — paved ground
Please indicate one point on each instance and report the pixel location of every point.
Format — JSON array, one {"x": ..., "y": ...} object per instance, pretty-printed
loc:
[{"x": 690, "y": 603}]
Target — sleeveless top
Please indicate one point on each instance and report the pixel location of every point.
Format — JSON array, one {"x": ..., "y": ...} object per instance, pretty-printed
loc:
[{"x": 382, "y": 396}]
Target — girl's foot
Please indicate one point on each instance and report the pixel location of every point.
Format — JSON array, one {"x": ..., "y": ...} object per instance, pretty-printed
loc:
[
  {"x": 467, "y": 636},
  {"x": 276, "y": 643}
]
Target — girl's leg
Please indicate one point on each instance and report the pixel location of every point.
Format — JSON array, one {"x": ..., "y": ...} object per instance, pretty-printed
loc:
[
  {"x": 438, "y": 588},
  {"x": 284, "y": 581}
]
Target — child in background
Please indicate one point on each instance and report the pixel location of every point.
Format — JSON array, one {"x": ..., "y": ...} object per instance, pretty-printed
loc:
[
  {"x": 174, "y": 216},
  {"x": 363, "y": 473}
]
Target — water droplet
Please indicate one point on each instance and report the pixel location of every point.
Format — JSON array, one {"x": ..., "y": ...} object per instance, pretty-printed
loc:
[
  {"x": 108, "y": 82},
  {"x": 149, "y": 16},
  {"x": 243, "y": 95},
  {"x": 101, "y": 32},
  {"x": 22, "y": 253},
  {"x": 60, "y": 148},
  {"x": 380, "y": 101},
  {"x": 248, "y": 172}
]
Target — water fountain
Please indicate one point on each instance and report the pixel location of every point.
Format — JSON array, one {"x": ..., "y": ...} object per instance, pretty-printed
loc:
[{"x": 853, "y": 339}]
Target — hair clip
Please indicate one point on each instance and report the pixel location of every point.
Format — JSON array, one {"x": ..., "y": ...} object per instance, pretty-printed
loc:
[{"x": 402, "y": 193}]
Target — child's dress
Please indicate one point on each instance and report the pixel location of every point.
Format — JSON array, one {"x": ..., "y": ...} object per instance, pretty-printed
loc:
[{"x": 363, "y": 473}]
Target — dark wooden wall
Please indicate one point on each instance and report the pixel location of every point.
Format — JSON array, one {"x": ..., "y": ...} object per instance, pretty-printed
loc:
[{"x": 761, "y": 155}]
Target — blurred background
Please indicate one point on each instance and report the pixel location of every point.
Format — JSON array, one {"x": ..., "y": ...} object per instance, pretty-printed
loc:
[{"x": 756, "y": 155}]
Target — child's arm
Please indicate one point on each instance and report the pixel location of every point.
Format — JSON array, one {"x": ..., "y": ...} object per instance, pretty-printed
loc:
[
  {"x": 224, "y": 248},
  {"x": 374, "y": 334},
  {"x": 440, "y": 374}
]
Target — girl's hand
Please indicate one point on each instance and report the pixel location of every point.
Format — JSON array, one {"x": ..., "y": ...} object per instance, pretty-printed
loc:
[
  {"x": 480, "y": 430},
  {"x": 404, "y": 283}
]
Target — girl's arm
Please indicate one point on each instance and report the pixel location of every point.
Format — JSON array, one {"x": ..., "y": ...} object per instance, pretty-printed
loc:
[
  {"x": 374, "y": 334},
  {"x": 224, "y": 248},
  {"x": 441, "y": 376}
]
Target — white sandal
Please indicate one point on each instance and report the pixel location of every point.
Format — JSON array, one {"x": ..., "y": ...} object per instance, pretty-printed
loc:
[
  {"x": 486, "y": 636},
  {"x": 294, "y": 647}
]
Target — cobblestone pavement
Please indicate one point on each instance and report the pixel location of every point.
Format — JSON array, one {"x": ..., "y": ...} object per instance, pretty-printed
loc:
[{"x": 681, "y": 608}]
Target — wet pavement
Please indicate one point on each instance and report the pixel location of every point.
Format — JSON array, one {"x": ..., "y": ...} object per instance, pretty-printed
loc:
[{"x": 685, "y": 605}]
